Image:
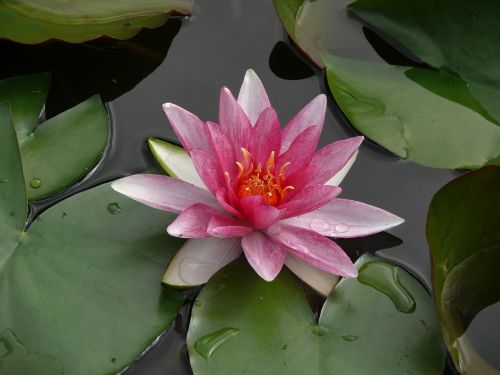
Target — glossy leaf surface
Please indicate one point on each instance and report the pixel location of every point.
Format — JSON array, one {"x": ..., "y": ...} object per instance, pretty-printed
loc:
[
  {"x": 463, "y": 235},
  {"x": 421, "y": 115},
  {"x": 63, "y": 149},
  {"x": 450, "y": 35},
  {"x": 80, "y": 289},
  {"x": 77, "y": 21},
  {"x": 240, "y": 321}
]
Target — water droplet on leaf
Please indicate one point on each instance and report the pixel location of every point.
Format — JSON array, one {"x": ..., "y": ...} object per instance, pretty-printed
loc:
[
  {"x": 349, "y": 338},
  {"x": 385, "y": 278},
  {"x": 35, "y": 183},
  {"x": 197, "y": 303},
  {"x": 207, "y": 345},
  {"x": 114, "y": 208},
  {"x": 3, "y": 180}
]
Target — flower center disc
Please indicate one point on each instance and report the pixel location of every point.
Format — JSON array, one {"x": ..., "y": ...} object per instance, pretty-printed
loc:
[{"x": 261, "y": 180}]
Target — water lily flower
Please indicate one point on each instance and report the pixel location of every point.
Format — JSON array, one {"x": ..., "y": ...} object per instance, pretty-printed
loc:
[{"x": 247, "y": 185}]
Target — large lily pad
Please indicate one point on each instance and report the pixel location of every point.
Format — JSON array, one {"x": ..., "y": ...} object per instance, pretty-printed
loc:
[
  {"x": 454, "y": 35},
  {"x": 63, "y": 149},
  {"x": 80, "y": 288},
  {"x": 424, "y": 116},
  {"x": 464, "y": 239},
  {"x": 382, "y": 323},
  {"x": 77, "y": 21}
]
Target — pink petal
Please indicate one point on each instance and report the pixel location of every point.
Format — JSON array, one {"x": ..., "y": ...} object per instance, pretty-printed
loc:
[
  {"x": 163, "y": 192},
  {"x": 300, "y": 152},
  {"x": 312, "y": 114},
  {"x": 259, "y": 214},
  {"x": 328, "y": 161},
  {"x": 253, "y": 97},
  {"x": 345, "y": 218},
  {"x": 198, "y": 259},
  {"x": 321, "y": 281},
  {"x": 209, "y": 170},
  {"x": 191, "y": 131},
  {"x": 309, "y": 199},
  {"x": 234, "y": 119},
  {"x": 266, "y": 136},
  {"x": 224, "y": 149},
  {"x": 225, "y": 226},
  {"x": 193, "y": 221},
  {"x": 264, "y": 255},
  {"x": 223, "y": 199},
  {"x": 314, "y": 249}
]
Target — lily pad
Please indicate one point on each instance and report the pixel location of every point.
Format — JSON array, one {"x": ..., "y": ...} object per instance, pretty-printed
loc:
[
  {"x": 245, "y": 324},
  {"x": 77, "y": 21},
  {"x": 462, "y": 230},
  {"x": 433, "y": 31},
  {"x": 80, "y": 288},
  {"x": 63, "y": 149},
  {"x": 422, "y": 115}
]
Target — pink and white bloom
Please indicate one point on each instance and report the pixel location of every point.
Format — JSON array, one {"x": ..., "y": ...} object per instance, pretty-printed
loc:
[{"x": 247, "y": 185}]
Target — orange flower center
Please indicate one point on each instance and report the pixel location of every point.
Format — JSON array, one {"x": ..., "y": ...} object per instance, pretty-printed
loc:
[{"x": 261, "y": 180}]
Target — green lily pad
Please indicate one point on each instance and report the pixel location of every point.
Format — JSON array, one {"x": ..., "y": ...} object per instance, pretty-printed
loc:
[
  {"x": 382, "y": 323},
  {"x": 424, "y": 116},
  {"x": 80, "y": 288},
  {"x": 433, "y": 31},
  {"x": 63, "y": 149},
  {"x": 462, "y": 230},
  {"x": 77, "y": 21}
]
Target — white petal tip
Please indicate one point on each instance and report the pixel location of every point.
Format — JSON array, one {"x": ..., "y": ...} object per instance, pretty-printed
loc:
[
  {"x": 173, "y": 232},
  {"x": 119, "y": 185},
  {"x": 321, "y": 98}
]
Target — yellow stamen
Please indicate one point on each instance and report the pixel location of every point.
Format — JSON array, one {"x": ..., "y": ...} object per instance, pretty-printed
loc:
[{"x": 252, "y": 181}]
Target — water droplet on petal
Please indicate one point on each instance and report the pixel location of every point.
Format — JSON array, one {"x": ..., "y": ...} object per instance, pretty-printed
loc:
[
  {"x": 35, "y": 183},
  {"x": 208, "y": 344},
  {"x": 341, "y": 228},
  {"x": 349, "y": 338},
  {"x": 114, "y": 208},
  {"x": 319, "y": 225},
  {"x": 385, "y": 278}
]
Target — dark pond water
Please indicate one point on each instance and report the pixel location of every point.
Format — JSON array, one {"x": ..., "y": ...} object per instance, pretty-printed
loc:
[{"x": 186, "y": 62}]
